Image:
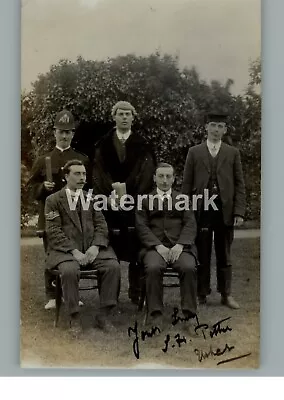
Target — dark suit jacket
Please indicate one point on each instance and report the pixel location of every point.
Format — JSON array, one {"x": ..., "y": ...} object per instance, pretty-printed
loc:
[
  {"x": 136, "y": 170},
  {"x": 65, "y": 232},
  {"x": 155, "y": 227},
  {"x": 229, "y": 174},
  {"x": 38, "y": 176}
]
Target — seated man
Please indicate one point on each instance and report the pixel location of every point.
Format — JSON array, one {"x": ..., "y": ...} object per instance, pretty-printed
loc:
[
  {"x": 167, "y": 236},
  {"x": 79, "y": 238}
]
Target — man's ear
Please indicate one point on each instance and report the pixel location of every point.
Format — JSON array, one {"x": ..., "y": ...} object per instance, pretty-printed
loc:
[{"x": 154, "y": 178}]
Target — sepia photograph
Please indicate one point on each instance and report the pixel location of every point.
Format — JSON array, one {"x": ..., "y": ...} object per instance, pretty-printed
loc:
[{"x": 140, "y": 184}]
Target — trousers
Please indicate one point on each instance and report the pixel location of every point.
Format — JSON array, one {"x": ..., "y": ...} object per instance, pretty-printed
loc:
[
  {"x": 154, "y": 265},
  {"x": 223, "y": 237},
  {"x": 109, "y": 275}
]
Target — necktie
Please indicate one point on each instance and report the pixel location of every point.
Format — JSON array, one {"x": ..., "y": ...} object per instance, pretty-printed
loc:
[
  {"x": 214, "y": 151},
  {"x": 165, "y": 201},
  {"x": 79, "y": 209}
]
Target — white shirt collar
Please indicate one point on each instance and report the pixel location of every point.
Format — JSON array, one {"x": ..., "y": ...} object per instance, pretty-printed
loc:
[
  {"x": 161, "y": 193},
  {"x": 123, "y": 135},
  {"x": 72, "y": 193},
  {"x": 59, "y": 148},
  {"x": 212, "y": 146}
]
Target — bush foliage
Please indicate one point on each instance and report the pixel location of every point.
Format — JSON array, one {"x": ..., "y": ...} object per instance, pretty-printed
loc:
[{"x": 171, "y": 104}]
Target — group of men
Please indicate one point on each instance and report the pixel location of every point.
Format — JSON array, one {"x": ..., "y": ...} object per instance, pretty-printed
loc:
[{"x": 155, "y": 235}]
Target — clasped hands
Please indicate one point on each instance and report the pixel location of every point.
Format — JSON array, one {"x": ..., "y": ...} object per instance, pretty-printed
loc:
[
  {"x": 87, "y": 258},
  {"x": 170, "y": 255}
]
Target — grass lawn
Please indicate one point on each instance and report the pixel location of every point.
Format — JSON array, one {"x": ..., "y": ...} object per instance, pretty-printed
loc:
[{"x": 42, "y": 345}]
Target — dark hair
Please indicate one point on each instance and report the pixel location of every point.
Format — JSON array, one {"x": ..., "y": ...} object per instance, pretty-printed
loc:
[
  {"x": 164, "y": 165},
  {"x": 68, "y": 165}
]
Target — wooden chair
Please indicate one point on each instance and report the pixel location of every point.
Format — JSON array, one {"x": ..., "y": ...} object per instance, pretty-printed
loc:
[{"x": 84, "y": 275}]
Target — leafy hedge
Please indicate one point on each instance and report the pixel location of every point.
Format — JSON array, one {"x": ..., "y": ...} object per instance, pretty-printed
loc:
[{"x": 171, "y": 105}]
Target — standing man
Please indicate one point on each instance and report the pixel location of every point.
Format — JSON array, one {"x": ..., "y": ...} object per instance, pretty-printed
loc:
[
  {"x": 42, "y": 187},
  {"x": 216, "y": 166},
  {"x": 123, "y": 158},
  {"x": 167, "y": 234},
  {"x": 77, "y": 237}
]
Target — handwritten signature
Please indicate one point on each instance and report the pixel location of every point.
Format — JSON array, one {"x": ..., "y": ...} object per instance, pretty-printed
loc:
[
  {"x": 220, "y": 327},
  {"x": 216, "y": 328},
  {"x": 202, "y": 355},
  {"x": 144, "y": 334},
  {"x": 179, "y": 340}
]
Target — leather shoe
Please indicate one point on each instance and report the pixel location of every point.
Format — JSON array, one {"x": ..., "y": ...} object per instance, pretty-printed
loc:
[
  {"x": 230, "y": 302},
  {"x": 51, "y": 304},
  {"x": 104, "y": 324}
]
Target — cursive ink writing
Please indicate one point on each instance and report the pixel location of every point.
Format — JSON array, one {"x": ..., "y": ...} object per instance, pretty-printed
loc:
[
  {"x": 154, "y": 330},
  {"x": 136, "y": 340},
  {"x": 144, "y": 335},
  {"x": 165, "y": 349},
  {"x": 202, "y": 355},
  {"x": 176, "y": 318},
  {"x": 200, "y": 326},
  {"x": 218, "y": 329},
  {"x": 179, "y": 340}
]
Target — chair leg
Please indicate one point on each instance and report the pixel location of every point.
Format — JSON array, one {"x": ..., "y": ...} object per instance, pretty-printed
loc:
[
  {"x": 142, "y": 299},
  {"x": 142, "y": 294},
  {"x": 58, "y": 299},
  {"x": 145, "y": 320}
]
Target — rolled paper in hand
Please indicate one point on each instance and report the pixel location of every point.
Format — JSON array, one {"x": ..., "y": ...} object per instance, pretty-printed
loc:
[
  {"x": 120, "y": 189},
  {"x": 48, "y": 169}
]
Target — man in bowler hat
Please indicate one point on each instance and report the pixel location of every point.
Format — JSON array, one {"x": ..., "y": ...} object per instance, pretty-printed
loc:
[{"x": 216, "y": 167}]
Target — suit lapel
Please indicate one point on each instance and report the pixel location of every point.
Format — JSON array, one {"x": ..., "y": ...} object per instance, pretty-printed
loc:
[
  {"x": 221, "y": 156},
  {"x": 72, "y": 213},
  {"x": 204, "y": 154},
  {"x": 156, "y": 200},
  {"x": 84, "y": 213},
  {"x": 174, "y": 199}
]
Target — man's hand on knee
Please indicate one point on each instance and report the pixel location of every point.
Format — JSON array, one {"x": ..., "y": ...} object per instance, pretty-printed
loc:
[
  {"x": 163, "y": 251},
  {"x": 175, "y": 252},
  {"x": 80, "y": 257},
  {"x": 92, "y": 253}
]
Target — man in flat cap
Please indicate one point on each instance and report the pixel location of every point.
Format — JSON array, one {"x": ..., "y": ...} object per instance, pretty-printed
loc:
[
  {"x": 216, "y": 167},
  {"x": 123, "y": 160},
  {"x": 44, "y": 185}
]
